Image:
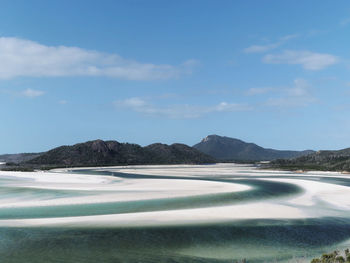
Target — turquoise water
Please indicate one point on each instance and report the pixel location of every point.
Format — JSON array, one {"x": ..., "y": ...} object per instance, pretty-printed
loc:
[
  {"x": 263, "y": 240},
  {"x": 260, "y": 190}
]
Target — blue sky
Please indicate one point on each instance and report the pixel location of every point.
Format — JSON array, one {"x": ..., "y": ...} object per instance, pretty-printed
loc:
[{"x": 271, "y": 72}]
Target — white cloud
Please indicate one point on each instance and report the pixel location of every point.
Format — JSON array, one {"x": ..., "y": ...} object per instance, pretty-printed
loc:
[
  {"x": 31, "y": 93},
  {"x": 259, "y": 91},
  {"x": 289, "y": 37},
  {"x": 267, "y": 47},
  {"x": 298, "y": 95},
  {"x": 227, "y": 107},
  {"x": 134, "y": 102},
  {"x": 261, "y": 48},
  {"x": 20, "y": 57},
  {"x": 287, "y": 102},
  {"x": 345, "y": 21},
  {"x": 62, "y": 102},
  {"x": 308, "y": 60},
  {"x": 183, "y": 111},
  {"x": 300, "y": 88}
]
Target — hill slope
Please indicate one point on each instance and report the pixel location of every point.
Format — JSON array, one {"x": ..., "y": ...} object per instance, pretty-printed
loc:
[
  {"x": 177, "y": 153},
  {"x": 225, "y": 148},
  {"x": 100, "y": 153},
  {"x": 18, "y": 157},
  {"x": 321, "y": 160}
]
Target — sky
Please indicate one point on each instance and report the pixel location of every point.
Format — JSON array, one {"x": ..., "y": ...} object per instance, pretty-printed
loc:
[{"x": 276, "y": 73}]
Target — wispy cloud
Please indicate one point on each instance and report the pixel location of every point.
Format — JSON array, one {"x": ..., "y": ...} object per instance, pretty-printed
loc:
[
  {"x": 316, "y": 32},
  {"x": 62, "y": 102},
  {"x": 308, "y": 60},
  {"x": 261, "y": 48},
  {"x": 259, "y": 91},
  {"x": 183, "y": 111},
  {"x": 298, "y": 95},
  {"x": 20, "y": 57},
  {"x": 270, "y": 46},
  {"x": 32, "y": 93},
  {"x": 345, "y": 21}
]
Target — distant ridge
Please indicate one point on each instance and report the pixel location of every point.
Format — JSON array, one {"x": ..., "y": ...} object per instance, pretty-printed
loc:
[
  {"x": 18, "y": 157},
  {"x": 104, "y": 153},
  {"x": 231, "y": 149},
  {"x": 211, "y": 149},
  {"x": 320, "y": 160}
]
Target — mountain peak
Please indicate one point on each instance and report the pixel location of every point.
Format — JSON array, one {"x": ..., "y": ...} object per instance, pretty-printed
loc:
[
  {"x": 214, "y": 137},
  {"x": 209, "y": 137},
  {"x": 226, "y": 148}
]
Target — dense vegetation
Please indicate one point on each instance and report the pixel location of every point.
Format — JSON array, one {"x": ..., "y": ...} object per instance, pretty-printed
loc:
[
  {"x": 18, "y": 157},
  {"x": 225, "y": 148},
  {"x": 105, "y": 153},
  {"x": 321, "y": 160},
  {"x": 334, "y": 257}
]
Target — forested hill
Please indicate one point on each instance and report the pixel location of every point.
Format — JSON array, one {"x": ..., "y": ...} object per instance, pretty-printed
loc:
[
  {"x": 18, "y": 157},
  {"x": 100, "y": 153},
  {"x": 231, "y": 149},
  {"x": 321, "y": 160}
]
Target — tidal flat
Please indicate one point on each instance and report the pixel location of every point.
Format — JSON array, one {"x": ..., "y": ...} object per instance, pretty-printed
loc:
[{"x": 172, "y": 213}]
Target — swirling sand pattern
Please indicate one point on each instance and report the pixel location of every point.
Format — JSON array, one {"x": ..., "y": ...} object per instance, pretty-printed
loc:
[{"x": 209, "y": 213}]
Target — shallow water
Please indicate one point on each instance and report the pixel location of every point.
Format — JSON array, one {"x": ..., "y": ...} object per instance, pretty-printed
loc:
[{"x": 257, "y": 240}]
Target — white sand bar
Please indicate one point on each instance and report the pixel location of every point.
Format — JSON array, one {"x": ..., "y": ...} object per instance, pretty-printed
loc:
[{"x": 65, "y": 188}]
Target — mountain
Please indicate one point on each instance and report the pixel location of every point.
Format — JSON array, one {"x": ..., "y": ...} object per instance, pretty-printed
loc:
[
  {"x": 104, "y": 153},
  {"x": 230, "y": 149},
  {"x": 321, "y": 160},
  {"x": 177, "y": 153},
  {"x": 18, "y": 157}
]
